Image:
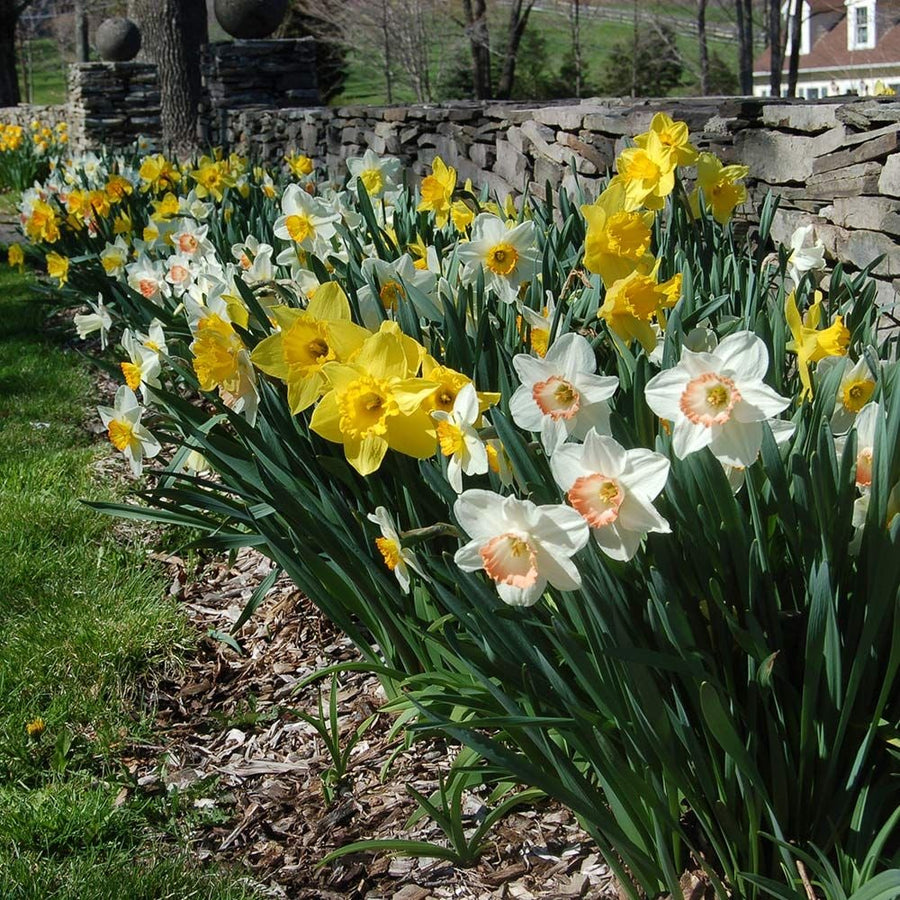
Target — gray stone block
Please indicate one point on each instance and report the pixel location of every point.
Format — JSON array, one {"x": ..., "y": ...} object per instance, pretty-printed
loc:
[
  {"x": 511, "y": 165},
  {"x": 889, "y": 179},
  {"x": 568, "y": 118},
  {"x": 775, "y": 157},
  {"x": 871, "y": 213},
  {"x": 812, "y": 118}
]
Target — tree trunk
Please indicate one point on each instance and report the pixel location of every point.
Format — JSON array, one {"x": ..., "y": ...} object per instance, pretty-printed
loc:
[
  {"x": 795, "y": 26},
  {"x": 702, "y": 47},
  {"x": 744, "y": 9},
  {"x": 173, "y": 32},
  {"x": 480, "y": 42},
  {"x": 577, "y": 61},
  {"x": 635, "y": 24},
  {"x": 519, "y": 11},
  {"x": 9, "y": 78},
  {"x": 82, "y": 49},
  {"x": 776, "y": 49},
  {"x": 10, "y": 11},
  {"x": 386, "y": 52}
]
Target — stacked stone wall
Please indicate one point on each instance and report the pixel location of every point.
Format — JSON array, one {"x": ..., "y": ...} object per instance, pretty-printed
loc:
[
  {"x": 24, "y": 114},
  {"x": 112, "y": 104},
  {"x": 835, "y": 162},
  {"x": 260, "y": 74}
]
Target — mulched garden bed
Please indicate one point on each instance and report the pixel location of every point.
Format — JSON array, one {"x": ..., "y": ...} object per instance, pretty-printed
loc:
[{"x": 228, "y": 741}]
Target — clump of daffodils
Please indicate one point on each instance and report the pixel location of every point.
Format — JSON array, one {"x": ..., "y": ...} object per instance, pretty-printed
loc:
[{"x": 355, "y": 322}]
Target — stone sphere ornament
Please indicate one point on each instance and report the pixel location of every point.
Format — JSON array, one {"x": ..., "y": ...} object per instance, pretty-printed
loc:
[
  {"x": 117, "y": 40},
  {"x": 250, "y": 19}
]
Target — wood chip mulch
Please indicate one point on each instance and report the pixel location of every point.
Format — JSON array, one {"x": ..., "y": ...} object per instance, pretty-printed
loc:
[{"x": 252, "y": 770}]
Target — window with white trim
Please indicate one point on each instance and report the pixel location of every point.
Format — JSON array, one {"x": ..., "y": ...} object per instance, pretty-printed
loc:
[{"x": 860, "y": 24}]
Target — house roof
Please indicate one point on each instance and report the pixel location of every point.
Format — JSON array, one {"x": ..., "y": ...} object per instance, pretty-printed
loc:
[{"x": 830, "y": 50}]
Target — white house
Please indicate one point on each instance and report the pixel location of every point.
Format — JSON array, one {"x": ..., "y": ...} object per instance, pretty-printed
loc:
[{"x": 846, "y": 47}]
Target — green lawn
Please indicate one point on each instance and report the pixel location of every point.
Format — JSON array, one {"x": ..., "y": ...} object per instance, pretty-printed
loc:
[
  {"x": 41, "y": 62},
  {"x": 365, "y": 82},
  {"x": 84, "y": 620}
]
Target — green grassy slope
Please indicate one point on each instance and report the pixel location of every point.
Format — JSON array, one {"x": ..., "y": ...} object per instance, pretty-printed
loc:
[{"x": 84, "y": 619}]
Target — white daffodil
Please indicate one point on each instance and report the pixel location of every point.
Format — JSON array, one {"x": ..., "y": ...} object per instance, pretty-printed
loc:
[
  {"x": 378, "y": 174},
  {"x": 718, "y": 399},
  {"x": 854, "y": 392},
  {"x": 255, "y": 259},
  {"x": 397, "y": 558},
  {"x": 560, "y": 395},
  {"x": 305, "y": 221},
  {"x": 613, "y": 489},
  {"x": 458, "y": 439},
  {"x": 147, "y": 278},
  {"x": 781, "y": 430},
  {"x": 123, "y": 424},
  {"x": 113, "y": 257},
  {"x": 142, "y": 369},
  {"x": 191, "y": 205},
  {"x": 155, "y": 338},
  {"x": 190, "y": 239},
  {"x": 393, "y": 280},
  {"x": 865, "y": 425},
  {"x": 807, "y": 254},
  {"x": 98, "y": 320},
  {"x": 180, "y": 273},
  {"x": 508, "y": 257},
  {"x": 521, "y": 547},
  {"x": 861, "y": 513},
  {"x": 92, "y": 167},
  {"x": 540, "y": 323}
]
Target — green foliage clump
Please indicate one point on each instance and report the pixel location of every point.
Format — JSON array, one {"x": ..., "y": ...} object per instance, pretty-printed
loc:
[{"x": 650, "y": 65}]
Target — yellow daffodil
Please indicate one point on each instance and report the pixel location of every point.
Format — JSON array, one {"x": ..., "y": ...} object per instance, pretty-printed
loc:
[
  {"x": 647, "y": 173},
  {"x": 123, "y": 225},
  {"x": 376, "y": 402},
  {"x": 99, "y": 203},
  {"x": 461, "y": 215},
  {"x": 212, "y": 176},
  {"x": 11, "y": 137},
  {"x": 216, "y": 348},
  {"x": 308, "y": 340},
  {"x": 809, "y": 342},
  {"x": 117, "y": 188},
  {"x": 15, "y": 256},
  {"x": 437, "y": 191},
  {"x": 617, "y": 242},
  {"x": 158, "y": 174},
  {"x": 720, "y": 187},
  {"x": 42, "y": 223},
  {"x": 58, "y": 267},
  {"x": 632, "y": 303},
  {"x": 166, "y": 208},
  {"x": 674, "y": 138},
  {"x": 300, "y": 165}
]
